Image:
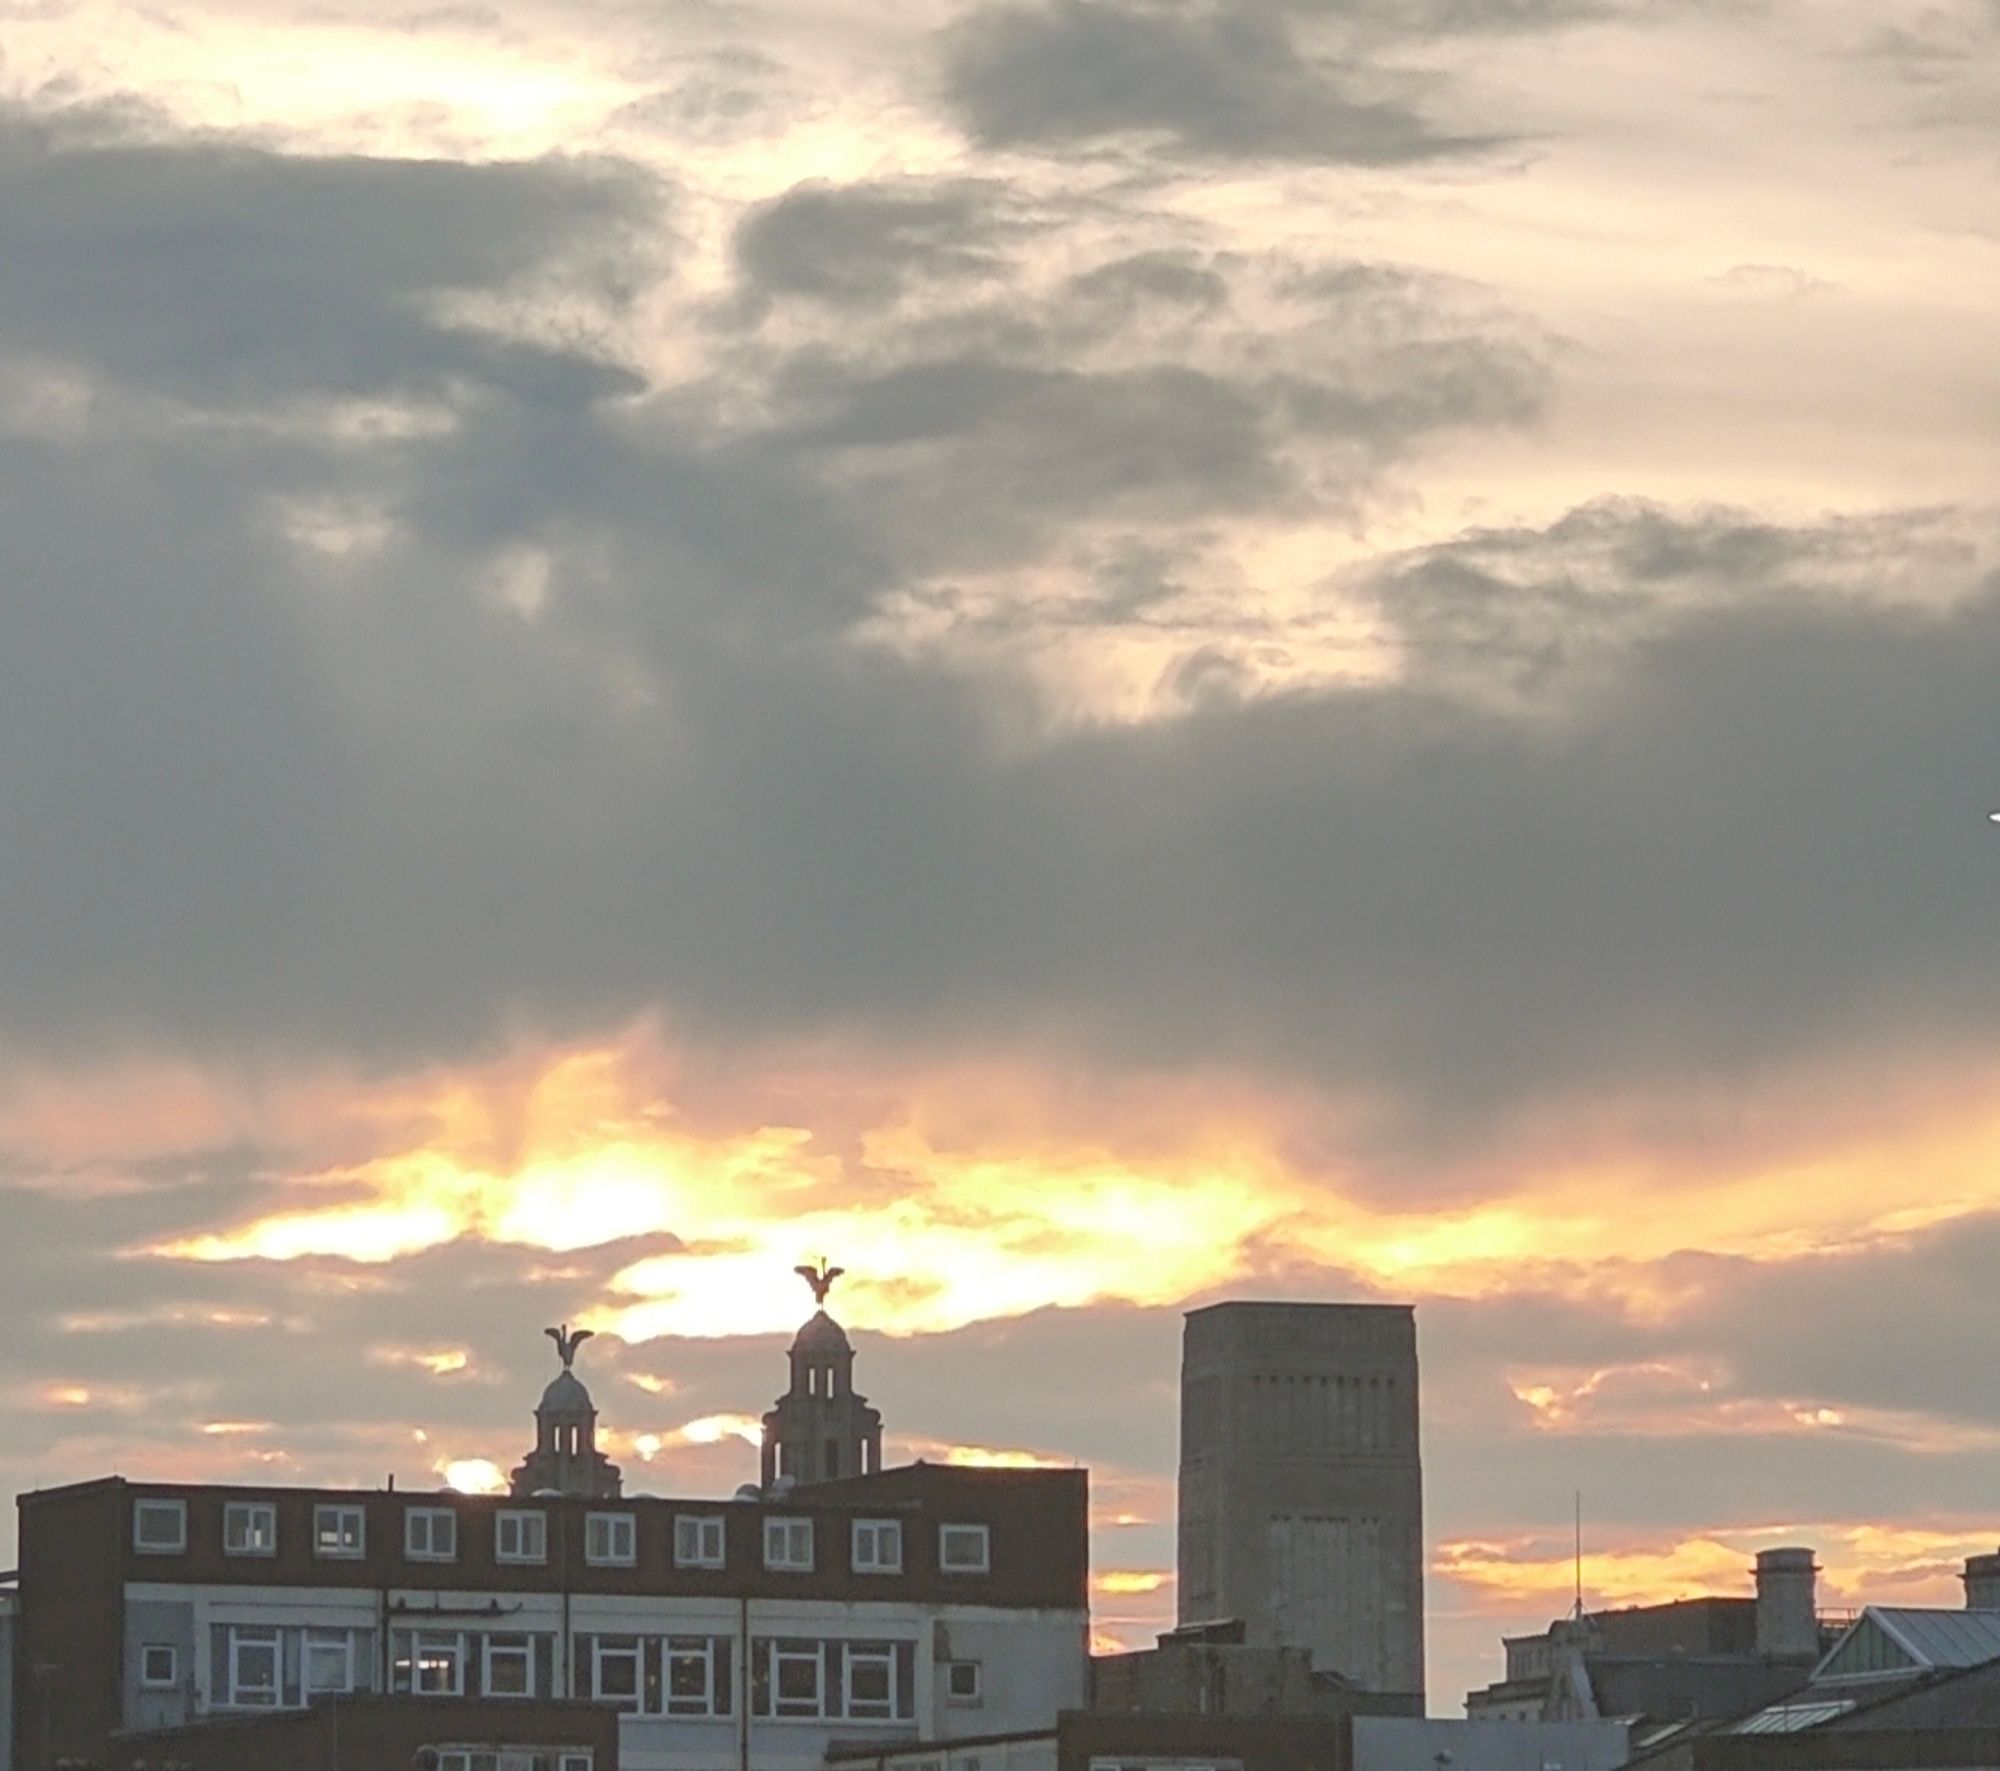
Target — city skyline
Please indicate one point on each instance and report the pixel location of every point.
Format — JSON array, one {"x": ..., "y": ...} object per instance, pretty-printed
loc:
[{"x": 1086, "y": 656}]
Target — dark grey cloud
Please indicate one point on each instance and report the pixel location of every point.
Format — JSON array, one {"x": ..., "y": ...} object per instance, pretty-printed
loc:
[
  {"x": 214, "y": 271},
  {"x": 1222, "y": 82},
  {"x": 1706, "y": 792},
  {"x": 862, "y": 245}
]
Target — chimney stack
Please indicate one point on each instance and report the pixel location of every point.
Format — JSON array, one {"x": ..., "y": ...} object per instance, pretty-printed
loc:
[
  {"x": 1982, "y": 1582},
  {"x": 1787, "y": 1618}
]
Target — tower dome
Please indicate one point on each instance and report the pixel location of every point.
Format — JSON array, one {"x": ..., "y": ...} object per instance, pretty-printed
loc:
[
  {"x": 820, "y": 1429},
  {"x": 565, "y": 1459}
]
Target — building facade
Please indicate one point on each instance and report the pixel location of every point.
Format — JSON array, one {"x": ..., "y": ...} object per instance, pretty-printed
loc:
[
  {"x": 1301, "y": 1484},
  {"x": 913, "y": 1604}
]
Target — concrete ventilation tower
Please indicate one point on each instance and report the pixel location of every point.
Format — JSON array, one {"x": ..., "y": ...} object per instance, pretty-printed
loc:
[
  {"x": 820, "y": 1429},
  {"x": 1301, "y": 1484},
  {"x": 1982, "y": 1582},
  {"x": 1787, "y": 1611},
  {"x": 566, "y": 1459}
]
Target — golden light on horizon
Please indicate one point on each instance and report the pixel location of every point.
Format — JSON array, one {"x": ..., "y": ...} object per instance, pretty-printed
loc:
[
  {"x": 948, "y": 1215},
  {"x": 473, "y": 1475}
]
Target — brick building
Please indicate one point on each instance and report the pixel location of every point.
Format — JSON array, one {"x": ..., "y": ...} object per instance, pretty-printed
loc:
[{"x": 907, "y": 1604}]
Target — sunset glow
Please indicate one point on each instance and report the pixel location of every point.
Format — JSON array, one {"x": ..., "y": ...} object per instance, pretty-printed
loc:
[{"x": 1086, "y": 657}]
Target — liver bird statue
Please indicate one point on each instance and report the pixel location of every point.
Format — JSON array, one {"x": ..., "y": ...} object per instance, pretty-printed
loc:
[
  {"x": 820, "y": 1278},
  {"x": 567, "y": 1341}
]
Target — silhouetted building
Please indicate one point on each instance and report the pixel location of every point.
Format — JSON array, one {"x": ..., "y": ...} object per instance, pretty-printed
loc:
[
  {"x": 565, "y": 1459},
  {"x": 914, "y": 1604},
  {"x": 1301, "y": 1484},
  {"x": 1659, "y": 1664},
  {"x": 387, "y": 1734},
  {"x": 820, "y": 1430}
]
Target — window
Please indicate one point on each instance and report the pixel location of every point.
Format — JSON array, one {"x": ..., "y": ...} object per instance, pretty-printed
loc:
[
  {"x": 250, "y": 1528},
  {"x": 159, "y": 1527},
  {"x": 338, "y": 1532},
  {"x": 788, "y": 1544},
  {"x": 697, "y": 1542},
  {"x": 329, "y": 1661},
  {"x": 800, "y": 1678},
  {"x": 159, "y": 1666},
  {"x": 961, "y": 1681},
  {"x": 430, "y": 1663},
  {"x": 871, "y": 1681},
  {"x": 615, "y": 1672},
  {"x": 878, "y": 1546},
  {"x": 697, "y": 1677},
  {"x": 797, "y": 1670},
  {"x": 253, "y": 1669},
  {"x": 510, "y": 1667},
  {"x": 510, "y": 1758},
  {"x": 430, "y": 1534},
  {"x": 610, "y": 1539},
  {"x": 964, "y": 1549},
  {"x": 521, "y": 1537}
]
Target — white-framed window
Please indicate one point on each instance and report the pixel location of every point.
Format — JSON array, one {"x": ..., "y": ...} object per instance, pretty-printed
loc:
[
  {"x": 255, "y": 1667},
  {"x": 521, "y": 1537},
  {"x": 788, "y": 1545},
  {"x": 614, "y": 1671},
  {"x": 696, "y": 1683},
  {"x": 327, "y": 1660},
  {"x": 869, "y": 1674},
  {"x": 430, "y": 1534},
  {"x": 249, "y": 1528},
  {"x": 878, "y": 1546},
  {"x": 798, "y": 1679},
  {"x": 964, "y": 1549},
  {"x": 159, "y": 1666},
  {"x": 573, "y": 1762},
  {"x": 430, "y": 1663},
  {"x": 697, "y": 1541},
  {"x": 340, "y": 1533},
  {"x": 159, "y": 1527},
  {"x": 509, "y": 1669},
  {"x": 610, "y": 1540},
  {"x": 962, "y": 1682}
]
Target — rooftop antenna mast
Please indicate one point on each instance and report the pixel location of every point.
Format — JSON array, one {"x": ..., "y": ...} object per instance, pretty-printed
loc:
[{"x": 1577, "y": 1613}]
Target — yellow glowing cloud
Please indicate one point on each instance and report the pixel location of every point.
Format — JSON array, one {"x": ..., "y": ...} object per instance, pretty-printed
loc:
[
  {"x": 712, "y": 1429},
  {"x": 472, "y": 1475},
  {"x": 1860, "y": 1564},
  {"x": 1130, "y": 1580},
  {"x": 970, "y": 1200}
]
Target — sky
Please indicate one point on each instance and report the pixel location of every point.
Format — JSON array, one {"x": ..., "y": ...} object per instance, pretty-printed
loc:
[{"x": 1089, "y": 655}]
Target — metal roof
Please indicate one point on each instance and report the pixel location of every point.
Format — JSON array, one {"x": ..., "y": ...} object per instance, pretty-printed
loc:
[
  {"x": 1790, "y": 1718},
  {"x": 1942, "y": 1638},
  {"x": 1916, "y": 1640}
]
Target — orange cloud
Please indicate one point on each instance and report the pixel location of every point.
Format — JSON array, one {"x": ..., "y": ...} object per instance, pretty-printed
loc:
[
  {"x": 1861, "y": 1564},
  {"x": 955, "y": 1197}
]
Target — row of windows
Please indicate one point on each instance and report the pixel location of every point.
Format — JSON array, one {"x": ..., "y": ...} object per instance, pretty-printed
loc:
[
  {"x": 610, "y": 1540},
  {"x": 265, "y": 1667},
  {"x": 508, "y": 1758}
]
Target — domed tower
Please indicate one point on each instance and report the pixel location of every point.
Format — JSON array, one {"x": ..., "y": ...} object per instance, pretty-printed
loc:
[
  {"x": 566, "y": 1459},
  {"x": 821, "y": 1430}
]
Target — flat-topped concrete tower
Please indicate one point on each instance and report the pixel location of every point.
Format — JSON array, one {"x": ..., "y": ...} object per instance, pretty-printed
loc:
[{"x": 1301, "y": 1485}]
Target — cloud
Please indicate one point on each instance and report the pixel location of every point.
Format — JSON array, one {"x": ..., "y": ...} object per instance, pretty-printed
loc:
[
  {"x": 862, "y": 245},
  {"x": 217, "y": 272},
  {"x": 1210, "y": 83}
]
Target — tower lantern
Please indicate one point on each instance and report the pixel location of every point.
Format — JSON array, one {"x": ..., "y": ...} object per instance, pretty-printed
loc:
[{"x": 820, "y": 1429}]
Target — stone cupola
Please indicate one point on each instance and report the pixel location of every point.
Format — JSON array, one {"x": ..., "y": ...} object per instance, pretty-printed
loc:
[
  {"x": 566, "y": 1459},
  {"x": 820, "y": 1429}
]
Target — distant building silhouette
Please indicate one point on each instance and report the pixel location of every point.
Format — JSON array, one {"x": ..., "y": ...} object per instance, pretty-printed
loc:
[{"x": 1301, "y": 1484}]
